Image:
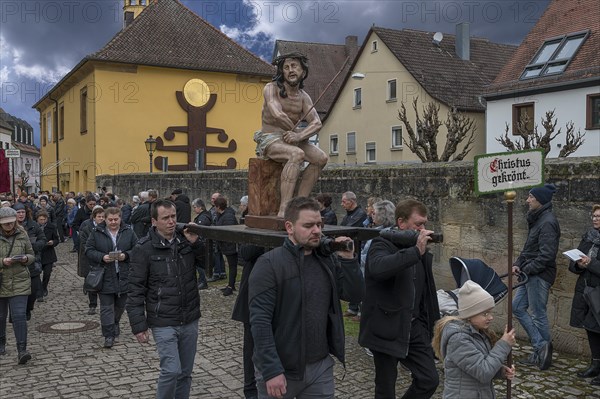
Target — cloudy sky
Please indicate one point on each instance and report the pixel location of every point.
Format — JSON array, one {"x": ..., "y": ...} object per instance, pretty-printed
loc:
[{"x": 41, "y": 40}]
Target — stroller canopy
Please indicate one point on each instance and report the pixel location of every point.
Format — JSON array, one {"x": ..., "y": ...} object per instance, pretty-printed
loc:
[{"x": 476, "y": 270}]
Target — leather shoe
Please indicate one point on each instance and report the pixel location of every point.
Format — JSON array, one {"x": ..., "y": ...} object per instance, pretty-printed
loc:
[
  {"x": 531, "y": 360},
  {"x": 92, "y": 311},
  {"x": 595, "y": 381},
  {"x": 545, "y": 356},
  {"x": 592, "y": 371},
  {"x": 109, "y": 342},
  {"x": 213, "y": 278},
  {"x": 227, "y": 291},
  {"x": 202, "y": 286}
]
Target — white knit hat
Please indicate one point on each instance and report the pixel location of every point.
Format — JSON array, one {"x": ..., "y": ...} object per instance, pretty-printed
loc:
[
  {"x": 472, "y": 300},
  {"x": 7, "y": 215}
]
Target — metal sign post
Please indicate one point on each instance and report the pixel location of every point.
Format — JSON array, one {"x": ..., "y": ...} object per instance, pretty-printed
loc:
[{"x": 503, "y": 172}]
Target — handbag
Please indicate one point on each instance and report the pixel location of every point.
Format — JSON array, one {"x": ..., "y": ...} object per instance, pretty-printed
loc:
[
  {"x": 35, "y": 268},
  {"x": 93, "y": 281},
  {"x": 592, "y": 298}
]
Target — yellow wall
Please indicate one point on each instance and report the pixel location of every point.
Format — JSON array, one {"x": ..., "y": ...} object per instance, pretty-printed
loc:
[
  {"x": 374, "y": 120},
  {"x": 130, "y": 103}
]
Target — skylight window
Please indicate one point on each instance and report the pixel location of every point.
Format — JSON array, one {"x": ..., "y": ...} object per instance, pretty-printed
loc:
[{"x": 554, "y": 55}]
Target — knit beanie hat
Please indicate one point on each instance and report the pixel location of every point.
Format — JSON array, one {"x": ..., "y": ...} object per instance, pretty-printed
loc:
[
  {"x": 18, "y": 206},
  {"x": 543, "y": 194},
  {"x": 7, "y": 215},
  {"x": 472, "y": 300}
]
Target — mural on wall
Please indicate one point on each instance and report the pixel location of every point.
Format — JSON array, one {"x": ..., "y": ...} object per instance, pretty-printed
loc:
[{"x": 197, "y": 100}]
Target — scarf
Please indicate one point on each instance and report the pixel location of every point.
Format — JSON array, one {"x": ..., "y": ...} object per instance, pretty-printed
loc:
[{"x": 593, "y": 236}]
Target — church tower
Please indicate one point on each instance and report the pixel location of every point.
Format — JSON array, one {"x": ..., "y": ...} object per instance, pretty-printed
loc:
[{"x": 133, "y": 8}]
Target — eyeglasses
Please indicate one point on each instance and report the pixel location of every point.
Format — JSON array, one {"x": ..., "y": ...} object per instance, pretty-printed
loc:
[{"x": 595, "y": 217}]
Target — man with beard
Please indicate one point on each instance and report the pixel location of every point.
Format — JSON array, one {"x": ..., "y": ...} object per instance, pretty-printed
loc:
[
  {"x": 280, "y": 139},
  {"x": 295, "y": 312}
]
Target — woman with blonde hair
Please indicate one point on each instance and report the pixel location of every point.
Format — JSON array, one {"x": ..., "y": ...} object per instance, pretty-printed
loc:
[{"x": 472, "y": 358}]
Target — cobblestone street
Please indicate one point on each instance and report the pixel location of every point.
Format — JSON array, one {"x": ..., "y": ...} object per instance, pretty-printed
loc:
[{"x": 70, "y": 362}]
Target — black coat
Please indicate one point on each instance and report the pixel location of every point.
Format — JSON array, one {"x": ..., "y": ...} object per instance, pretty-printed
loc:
[
  {"x": 329, "y": 216},
  {"x": 83, "y": 214},
  {"x": 48, "y": 253},
  {"x": 227, "y": 218},
  {"x": 277, "y": 308},
  {"x": 38, "y": 242},
  {"x": 83, "y": 263},
  {"x": 354, "y": 218},
  {"x": 183, "y": 209},
  {"x": 126, "y": 213},
  {"x": 538, "y": 257},
  {"x": 60, "y": 209},
  {"x": 387, "y": 310},
  {"x": 163, "y": 287},
  {"x": 141, "y": 220},
  {"x": 98, "y": 244},
  {"x": 250, "y": 254},
  {"x": 581, "y": 315}
]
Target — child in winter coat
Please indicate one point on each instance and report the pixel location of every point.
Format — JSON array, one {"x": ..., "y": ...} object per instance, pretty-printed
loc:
[{"x": 466, "y": 345}]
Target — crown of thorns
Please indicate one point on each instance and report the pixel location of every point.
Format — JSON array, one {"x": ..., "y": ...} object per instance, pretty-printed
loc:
[{"x": 279, "y": 60}]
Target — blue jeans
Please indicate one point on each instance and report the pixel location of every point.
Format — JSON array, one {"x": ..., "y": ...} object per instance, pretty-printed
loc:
[
  {"x": 218, "y": 263},
  {"x": 18, "y": 307},
  {"x": 533, "y": 296},
  {"x": 176, "y": 348}
]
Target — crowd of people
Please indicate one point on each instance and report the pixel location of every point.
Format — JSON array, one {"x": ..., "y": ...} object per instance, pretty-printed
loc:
[{"x": 289, "y": 297}]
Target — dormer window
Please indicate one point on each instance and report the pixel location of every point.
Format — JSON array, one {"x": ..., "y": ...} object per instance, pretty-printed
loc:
[{"x": 554, "y": 55}]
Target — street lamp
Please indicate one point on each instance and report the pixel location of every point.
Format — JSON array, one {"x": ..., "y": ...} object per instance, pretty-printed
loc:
[
  {"x": 28, "y": 166},
  {"x": 150, "y": 147}
]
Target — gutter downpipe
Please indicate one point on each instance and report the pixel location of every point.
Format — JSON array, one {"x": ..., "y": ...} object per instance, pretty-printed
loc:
[{"x": 57, "y": 140}]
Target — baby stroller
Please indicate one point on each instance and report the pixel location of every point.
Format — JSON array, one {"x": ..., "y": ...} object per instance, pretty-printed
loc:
[{"x": 475, "y": 270}]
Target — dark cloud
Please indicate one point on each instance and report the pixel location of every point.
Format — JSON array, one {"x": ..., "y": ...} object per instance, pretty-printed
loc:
[{"x": 44, "y": 39}]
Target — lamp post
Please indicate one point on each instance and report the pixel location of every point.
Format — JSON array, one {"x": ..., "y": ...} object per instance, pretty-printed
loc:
[{"x": 150, "y": 147}]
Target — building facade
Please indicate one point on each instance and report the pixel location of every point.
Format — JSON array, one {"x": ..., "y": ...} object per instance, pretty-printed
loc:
[{"x": 168, "y": 74}]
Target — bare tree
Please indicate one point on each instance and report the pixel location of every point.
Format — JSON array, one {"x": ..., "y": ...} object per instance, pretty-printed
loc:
[
  {"x": 533, "y": 139},
  {"x": 424, "y": 142}
]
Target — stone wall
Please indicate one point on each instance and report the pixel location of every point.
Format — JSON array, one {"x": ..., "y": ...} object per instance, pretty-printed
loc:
[{"x": 473, "y": 227}]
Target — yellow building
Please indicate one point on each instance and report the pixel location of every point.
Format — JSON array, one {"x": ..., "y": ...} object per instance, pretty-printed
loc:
[
  {"x": 169, "y": 74},
  {"x": 395, "y": 66}
]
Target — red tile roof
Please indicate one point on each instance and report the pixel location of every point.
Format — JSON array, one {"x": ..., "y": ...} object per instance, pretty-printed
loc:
[
  {"x": 324, "y": 62},
  {"x": 560, "y": 18},
  {"x": 437, "y": 68},
  {"x": 168, "y": 34}
]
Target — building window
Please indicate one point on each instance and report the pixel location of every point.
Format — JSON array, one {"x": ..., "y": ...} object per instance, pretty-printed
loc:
[
  {"x": 396, "y": 136},
  {"x": 42, "y": 135},
  {"x": 61, "y": 118},
  {"x": 391, "y": 90},
  {"x": 357, "y": 98},
  {"x": 19, "y": 134},
  {"x": 523, "y": 114},
  {"x": 592, "y": 112},
  {"x": 49, "y": 126},
  {"x": 351, "y": 143},
  {"x": 554, "y": 55},
  {"x": 333, "y": 144},
  {"x": 83, "y": 111},
  {"x": 30, "y": 135},
  {"x": 371, "y": 155},
  {"x": 374, "y": 46}
]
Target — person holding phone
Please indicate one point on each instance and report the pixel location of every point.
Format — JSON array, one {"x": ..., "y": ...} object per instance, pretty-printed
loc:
[
  {"x": 16, "y": 253},
  {"x": 109, "y": 246}
]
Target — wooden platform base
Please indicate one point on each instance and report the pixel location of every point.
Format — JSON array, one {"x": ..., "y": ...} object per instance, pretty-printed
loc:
[{"x": 265, "y": 222}]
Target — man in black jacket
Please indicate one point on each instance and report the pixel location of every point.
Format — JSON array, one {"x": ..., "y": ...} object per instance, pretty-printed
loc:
[
  {"x": 538, "y": 261},
  {"x": 182, "y": 205},
  {"x": 163, "y": 296},
  {"x": 295, "y": 311},
  {"x": 400, "y": 306}
]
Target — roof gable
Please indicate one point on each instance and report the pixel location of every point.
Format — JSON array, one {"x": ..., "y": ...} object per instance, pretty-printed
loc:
[
  {"x": 324, "y": 62},
  {"x": 562, "y": 17},
  {"x": 437, "y": 68},
  {"x": 168, "y": 34}
]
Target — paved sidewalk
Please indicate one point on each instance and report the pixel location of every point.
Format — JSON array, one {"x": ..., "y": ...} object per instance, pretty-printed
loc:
[{"x": 73, "y": 364}]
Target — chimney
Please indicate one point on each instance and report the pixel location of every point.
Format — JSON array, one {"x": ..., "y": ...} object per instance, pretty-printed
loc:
[
  {"x": 463, "y": 41},
  {"x": 351, "y": 45}
]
